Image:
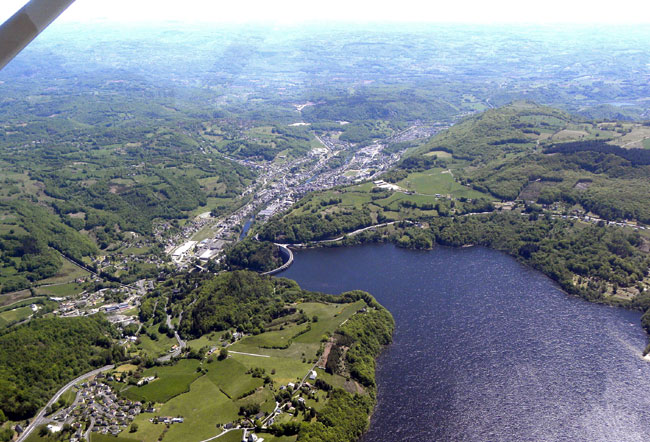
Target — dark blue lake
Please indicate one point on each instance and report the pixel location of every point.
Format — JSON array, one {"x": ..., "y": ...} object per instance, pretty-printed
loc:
[{"x": 486, "y": 349}]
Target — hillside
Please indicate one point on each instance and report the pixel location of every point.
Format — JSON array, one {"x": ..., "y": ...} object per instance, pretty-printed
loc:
[
  {"x": 254, "y": 341},
  {"x": 38, "y": 358}
]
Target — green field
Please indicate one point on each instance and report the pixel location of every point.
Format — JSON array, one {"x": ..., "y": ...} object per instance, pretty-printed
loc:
[
  {"x": 9, "y": 299},
  {"x": 230, "y": 377},
  {"x": 34, "y": 437},
  {"x": 203, "y": 408},
  {"x": 22, "y": 303},
  {"x": 67, "y": 273},
  {"x": 69, "y": 395},
  {"x": 439, "y": 154},
  {"x": 234, "y": 436},
  {"x": 205, "y": 232},
  {"x": 211, "y": 400},
  {"x": 95, "y": 437},
  {"x": 61, "y": 290},
  {"x": 438, "y": 181},
  {"x": 203, "y": 341},
  {"x": 15, "y": 315},
  {"x": 287, "y": 369},
  {"x": 330, "y": 317},
  {"x": 147, "y": 431},
  {"x": 172, "y": 381},
  {"x": 276, "y": 338},
  {"x": 158, "y": 347},
  {"x": 270, "y": 438},
  {"x": 136, "y": 251}
]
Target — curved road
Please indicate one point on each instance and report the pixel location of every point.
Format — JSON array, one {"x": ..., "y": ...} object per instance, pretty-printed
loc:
[
  {"x": 181, "y": 343},
  {"x": 353, "y": 233},
  {"x": 38, "y": 420},
  {"x": 287, "y": 264},
  {"x": 288, "y": 251}
]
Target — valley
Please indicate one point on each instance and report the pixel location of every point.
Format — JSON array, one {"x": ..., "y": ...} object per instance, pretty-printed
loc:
[{"x": 151, "y": 184}]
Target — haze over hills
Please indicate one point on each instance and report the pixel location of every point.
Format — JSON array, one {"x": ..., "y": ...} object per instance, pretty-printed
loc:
[{"x": 146, "y": 170}]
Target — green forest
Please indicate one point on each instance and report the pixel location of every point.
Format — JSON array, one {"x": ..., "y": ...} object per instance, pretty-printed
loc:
[
  {"x": 37, "y": 358},
  {"x": 254, "y": 255},
  {"x": 30, "y": 249}
]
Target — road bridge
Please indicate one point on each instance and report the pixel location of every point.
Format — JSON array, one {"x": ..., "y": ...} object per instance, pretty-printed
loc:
[{"x": 287, "y": 254}]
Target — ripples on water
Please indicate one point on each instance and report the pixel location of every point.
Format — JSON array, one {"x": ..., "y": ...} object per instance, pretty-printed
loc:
[{"x": 486, "y": 349}]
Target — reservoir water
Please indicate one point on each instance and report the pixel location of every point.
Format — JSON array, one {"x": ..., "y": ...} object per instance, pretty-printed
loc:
[{"x": 486, "y": 349}]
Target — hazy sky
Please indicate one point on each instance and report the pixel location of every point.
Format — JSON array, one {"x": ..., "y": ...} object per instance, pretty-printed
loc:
[{"x": 292, "y": 11}]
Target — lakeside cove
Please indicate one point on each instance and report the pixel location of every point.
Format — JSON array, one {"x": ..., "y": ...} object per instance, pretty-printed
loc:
[{"x": 487, "y": 348}]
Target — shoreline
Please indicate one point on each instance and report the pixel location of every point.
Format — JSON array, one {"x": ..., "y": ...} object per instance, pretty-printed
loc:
[{"x": 617, "y": 302}]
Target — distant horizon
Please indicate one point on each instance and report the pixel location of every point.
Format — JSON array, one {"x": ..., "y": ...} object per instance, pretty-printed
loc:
[{"x": 293, "y": 12}]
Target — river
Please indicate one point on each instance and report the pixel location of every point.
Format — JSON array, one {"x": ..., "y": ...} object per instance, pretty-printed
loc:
[
  {"x": 246, "y": 228},
  {"x": 486, "y": 349}
]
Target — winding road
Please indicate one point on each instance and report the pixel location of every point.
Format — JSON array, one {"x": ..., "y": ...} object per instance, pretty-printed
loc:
[{"x": 181, "y": 343}]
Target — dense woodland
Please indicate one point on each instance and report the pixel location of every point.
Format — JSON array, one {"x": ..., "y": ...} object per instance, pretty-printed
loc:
[
  {"x": 37, "y": 358},
  {"x": 254, "y": 255},
  {"x": 31, "y": 251},
  {"x": 603, "y": 183},
  {"x": 365, "y": 335},
  {"x": 315, "y": 227},
  {"x": 559, "y": 248},
  {"x": 497, "y": 132},
  {"x": 259, "y": 143},
  {"x": 233, "y": 300},
  {"x": 637, "y": 157}
]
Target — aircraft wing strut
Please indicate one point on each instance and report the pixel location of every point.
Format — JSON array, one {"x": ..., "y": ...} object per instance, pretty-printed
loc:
[{"x": 25, "y": 25}]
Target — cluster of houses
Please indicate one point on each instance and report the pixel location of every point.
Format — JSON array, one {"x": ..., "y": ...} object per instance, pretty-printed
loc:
[
  {"x": 121, "y": 262},
  {"x": 167, "y": 420},
  {"x": 145, "y": 380},
  {"x": 251, "y": 437},
  {"x": 186, "y": 232},
  {"x": 305, "y": 387},
  {"x": 89, "y": 303},
  {"x": 97, "y": 403}
]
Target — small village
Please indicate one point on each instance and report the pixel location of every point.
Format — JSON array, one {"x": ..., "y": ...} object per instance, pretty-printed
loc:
[{"x": 95, "y": 409}]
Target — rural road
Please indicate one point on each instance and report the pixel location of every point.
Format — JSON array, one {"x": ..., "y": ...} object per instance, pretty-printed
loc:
[
  {"x": 353, "y": 233},
  {"x": 220, "y": 434},
  {"x": 181, "y": 343},
  {"x": 38, "y": 420},
  {"x": 248, "y": 354}
]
